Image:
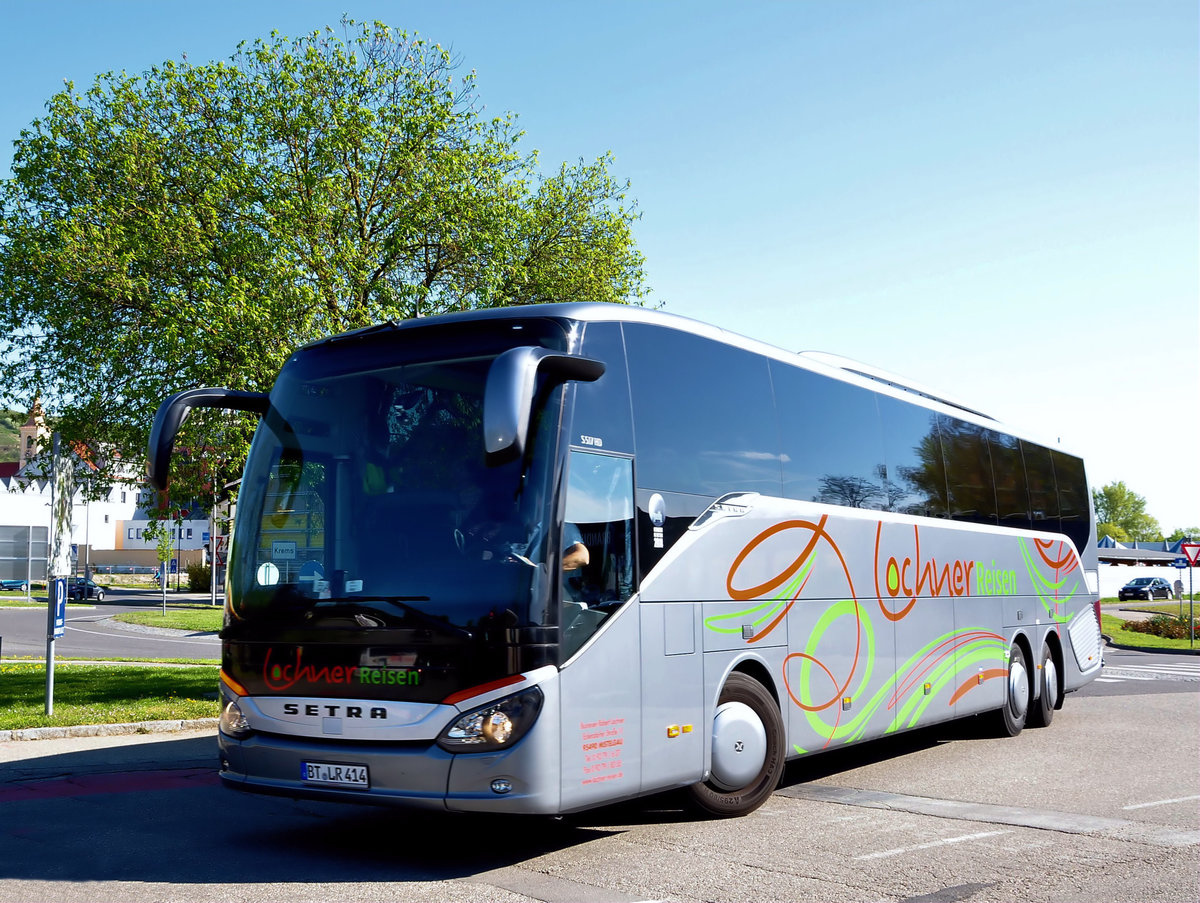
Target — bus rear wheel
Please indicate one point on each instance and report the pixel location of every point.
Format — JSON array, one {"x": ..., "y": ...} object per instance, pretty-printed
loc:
[
  {"x": 747, "y": 750},
  {"x": 1012, "y": 716},
  {"x": 1042, "y": 711}
]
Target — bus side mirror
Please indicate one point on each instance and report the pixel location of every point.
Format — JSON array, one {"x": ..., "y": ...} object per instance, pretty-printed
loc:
[
  {"x": 508, "y": 395},
  {"x": 172, "y": 413}
]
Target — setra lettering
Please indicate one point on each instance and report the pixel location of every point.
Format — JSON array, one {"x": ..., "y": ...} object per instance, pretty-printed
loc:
[{"x": 332, "y": 710}]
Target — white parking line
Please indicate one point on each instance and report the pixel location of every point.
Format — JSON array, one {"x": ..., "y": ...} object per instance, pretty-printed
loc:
[
  {"x": 933, "y": 843},
  {"x": 1018, "y": 817},
  {"x": 1159, "y": 669},
  {"x": 1178, "y": 799}
]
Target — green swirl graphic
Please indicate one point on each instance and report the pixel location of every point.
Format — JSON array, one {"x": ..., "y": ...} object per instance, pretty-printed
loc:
[{"x": 1048, "y": 590}]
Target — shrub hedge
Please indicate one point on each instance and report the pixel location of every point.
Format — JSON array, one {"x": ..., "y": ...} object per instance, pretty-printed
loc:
[{"x": 1172, "y": 627}]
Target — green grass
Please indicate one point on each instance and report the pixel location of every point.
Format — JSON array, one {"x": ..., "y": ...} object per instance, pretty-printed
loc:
[
  {"x": 178, "y": 617},
  {"x": 104, "y": 694},
  {"x": 1134, "y": 603},
  {"x": 19, "y": 602},
  {"x": 1110, "y": 625}
]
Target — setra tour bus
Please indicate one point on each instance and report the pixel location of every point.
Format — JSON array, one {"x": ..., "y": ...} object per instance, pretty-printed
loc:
[{"x": 539, "y": 559}]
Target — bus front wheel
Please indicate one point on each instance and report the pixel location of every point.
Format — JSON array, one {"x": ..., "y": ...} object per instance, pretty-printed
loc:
[{"x": 747, "y": 750}]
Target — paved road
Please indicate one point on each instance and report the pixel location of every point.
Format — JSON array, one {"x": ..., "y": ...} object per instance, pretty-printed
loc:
[
  {"x": 91, "y": 633},
  {"x": 1103, "y": 805}
]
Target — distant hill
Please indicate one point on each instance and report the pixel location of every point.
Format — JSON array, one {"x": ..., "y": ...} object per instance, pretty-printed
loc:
[{"x": 10, "y": 424}]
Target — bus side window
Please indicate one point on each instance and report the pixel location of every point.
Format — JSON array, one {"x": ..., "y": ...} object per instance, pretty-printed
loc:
[
  {"x": 703, "y": 413},
  {"x": 1073, "y": 501},
  {"x": 912, "y": 451},
  {"x": 599, "y": 514},
  {"x": 1043, "y": 492},
  {"x": 1008, "y": 473},
  {"x": 602, "y": 419},
  {"x": 971, "y": 490},
  {"x": 832, "y": 444}
]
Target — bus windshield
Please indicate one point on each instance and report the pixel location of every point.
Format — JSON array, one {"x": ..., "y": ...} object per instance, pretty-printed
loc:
[{"x": 368, "y": 502}]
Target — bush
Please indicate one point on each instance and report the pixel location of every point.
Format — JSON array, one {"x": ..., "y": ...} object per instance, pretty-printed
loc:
[
  {"x": 199, "y": 578},
  {"x": 1171, "y": 627}
]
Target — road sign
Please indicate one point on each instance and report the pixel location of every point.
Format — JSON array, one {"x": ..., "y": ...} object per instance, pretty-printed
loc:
[
  {"x": 1192, "y": 551},
  {"x": 283, "y": 550},
  {"x": 1180, "y": 563},
  {"x": 57, "y": 609},
  {"x": 312, "y": 573}
]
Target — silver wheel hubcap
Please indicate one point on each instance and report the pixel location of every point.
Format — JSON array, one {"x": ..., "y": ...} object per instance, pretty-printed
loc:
[
  {"x": 1018, "y": 689},
  {"x": 739, "y": 746},
  {"x": 1051, "y": 686}
]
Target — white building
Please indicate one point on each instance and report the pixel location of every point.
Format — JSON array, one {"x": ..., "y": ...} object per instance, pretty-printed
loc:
[{"x": 115, "y": 523}]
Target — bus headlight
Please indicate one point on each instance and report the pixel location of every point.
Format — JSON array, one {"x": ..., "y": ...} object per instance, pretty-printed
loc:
[
  {"x": 497, "y": 725},
  {"x": 233, "y": 721}
]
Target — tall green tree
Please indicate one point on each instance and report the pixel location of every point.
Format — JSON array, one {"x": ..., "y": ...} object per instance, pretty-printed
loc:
[
  {"x": 192, "y": 224},
  {"x": 1121, "y": 514}
]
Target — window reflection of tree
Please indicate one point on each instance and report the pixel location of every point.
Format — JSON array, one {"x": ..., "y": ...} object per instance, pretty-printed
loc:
[
  {"x": 849, "y": 492},
  {"x": 971, "y": 491},
  {"x": 926, "y": 480},
  {"x": 958, "y": 470},
  {"x": 430, "y": 432}
]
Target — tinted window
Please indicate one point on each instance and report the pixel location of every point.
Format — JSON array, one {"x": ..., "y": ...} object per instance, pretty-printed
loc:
[
  {"x": 912, "y": 451},
  {"x": 832, "y": 447},
  {"x": 1008, "y": 472},
  {"x": 1073, "y": 502},
  {"x": 1043, "y": 496},
  {"x": 969, "y": 486},
  {"x": 599, "y": 515},
  {"x": 704, "y": 416},
  {"x": 602, "y": 418}
]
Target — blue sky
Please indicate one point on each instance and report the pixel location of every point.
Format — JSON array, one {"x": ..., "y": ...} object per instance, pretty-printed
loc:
[{"x": 997, "y": 199}]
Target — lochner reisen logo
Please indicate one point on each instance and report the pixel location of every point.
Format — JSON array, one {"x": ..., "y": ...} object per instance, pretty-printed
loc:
[{"x": 285, "y": 674}]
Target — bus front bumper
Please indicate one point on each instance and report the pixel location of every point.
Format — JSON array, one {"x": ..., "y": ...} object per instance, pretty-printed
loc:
[{"x": 418, "y": 776}]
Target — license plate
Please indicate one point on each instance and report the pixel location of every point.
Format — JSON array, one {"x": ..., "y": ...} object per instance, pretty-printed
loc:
[{"x": 334, "y": 774}]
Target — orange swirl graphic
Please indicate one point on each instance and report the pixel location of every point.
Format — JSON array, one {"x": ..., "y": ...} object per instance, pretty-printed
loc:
[{"x": 887, "y": 612}]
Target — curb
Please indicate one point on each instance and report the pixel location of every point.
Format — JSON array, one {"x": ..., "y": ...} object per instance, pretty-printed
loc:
[{"x": 107, "y": 730}]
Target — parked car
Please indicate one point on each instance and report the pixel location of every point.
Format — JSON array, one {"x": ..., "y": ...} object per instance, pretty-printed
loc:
[
  {"x": 21, "y": 585},
  {"x": 85, "y": 589},
  {"x": 1146, "y": 588}
]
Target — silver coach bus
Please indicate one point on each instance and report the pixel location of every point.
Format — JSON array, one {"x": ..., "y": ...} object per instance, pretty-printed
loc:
[{"x": 538, "y": 559}]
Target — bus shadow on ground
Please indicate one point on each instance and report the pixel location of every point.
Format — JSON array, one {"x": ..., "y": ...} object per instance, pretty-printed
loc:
[
  {"x": 837, "y": 759},
  {"x": 191, "y": 830},
  {"x": 371, "y": 843},
  {"x": 156, "y": 812}
]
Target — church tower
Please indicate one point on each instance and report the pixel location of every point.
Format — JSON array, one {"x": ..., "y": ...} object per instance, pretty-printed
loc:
[{"x": 34, "y": 433}]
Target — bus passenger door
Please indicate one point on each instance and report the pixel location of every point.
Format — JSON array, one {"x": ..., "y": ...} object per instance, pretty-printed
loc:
[{"x": 602, "y": 674}]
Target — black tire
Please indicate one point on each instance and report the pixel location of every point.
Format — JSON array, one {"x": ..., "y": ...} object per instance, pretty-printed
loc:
[
  {"x": 714, "y": 796},
  {"x": 99, "y": 595},
  {"x": 1010, "y": 720},
  {"x": 1041, "y": 710}
]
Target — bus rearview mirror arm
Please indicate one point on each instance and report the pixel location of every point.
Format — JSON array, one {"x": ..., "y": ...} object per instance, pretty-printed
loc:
[
  {"x": 508, "y": 396},
  {"x": 172, "y": 413}
]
